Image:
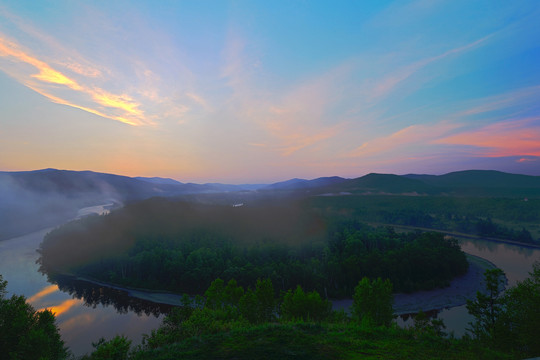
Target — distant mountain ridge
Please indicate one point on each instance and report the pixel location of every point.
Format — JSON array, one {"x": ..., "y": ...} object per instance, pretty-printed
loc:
[
  {"x": 123, "y": 188},
  {"x": 462, "y": 183},
  {"x": 31, "y": 200},
  {"x": 296, "y": 183},
  {"x": 159, "y": 180}
]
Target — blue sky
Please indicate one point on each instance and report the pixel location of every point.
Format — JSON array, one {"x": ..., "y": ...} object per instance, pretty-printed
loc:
[{"x": 261, "y": 91}]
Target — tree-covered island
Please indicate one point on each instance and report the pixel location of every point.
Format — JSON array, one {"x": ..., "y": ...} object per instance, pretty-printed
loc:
[{"x": 182, "y": 247}]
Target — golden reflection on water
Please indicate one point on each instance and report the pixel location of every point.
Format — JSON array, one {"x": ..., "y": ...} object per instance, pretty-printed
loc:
[
  {"x": 44, "y": 292},
  {"x": 63, "y": 307}
]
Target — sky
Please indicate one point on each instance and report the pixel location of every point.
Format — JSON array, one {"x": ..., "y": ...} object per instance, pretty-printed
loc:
[{"x": 263, "y": 91}]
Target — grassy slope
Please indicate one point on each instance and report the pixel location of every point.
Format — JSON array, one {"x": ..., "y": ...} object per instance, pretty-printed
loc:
[{"x": 316, "y": 341}]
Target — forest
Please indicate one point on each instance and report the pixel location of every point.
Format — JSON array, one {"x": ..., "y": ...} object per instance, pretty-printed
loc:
[{"x": 182, "y": 247}]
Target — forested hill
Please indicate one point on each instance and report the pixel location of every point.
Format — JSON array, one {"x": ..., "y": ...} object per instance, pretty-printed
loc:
[
  {"x": 483, "y": 183},
  {"x": 476, "y": 183}
]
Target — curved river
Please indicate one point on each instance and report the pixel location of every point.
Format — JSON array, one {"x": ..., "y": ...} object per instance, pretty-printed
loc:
[
  {"x": 516, "y": 261},
  {"x": 84, "y": 316},
  {"x": 80, "y": 322}
]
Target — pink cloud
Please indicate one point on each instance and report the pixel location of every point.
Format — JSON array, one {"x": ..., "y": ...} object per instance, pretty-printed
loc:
[
  {"x": 522, "y": 160},
  {"x": 508, "y": 138}
]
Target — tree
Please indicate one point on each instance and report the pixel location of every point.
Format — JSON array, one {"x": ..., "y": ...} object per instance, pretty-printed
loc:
[
  {"x": 487, "y": 307},
  {"x": 259, "y": 305},
  {"x": 215, "y": 295},
  {"x": 425, "y": 325},
  {"x": 26, "y": 333},
  {"x": 299, "y": 305},
  {"x": 115, "y": 349},
  {"x": 373, "y": 302},
  {"x": 519, "y": 323}
]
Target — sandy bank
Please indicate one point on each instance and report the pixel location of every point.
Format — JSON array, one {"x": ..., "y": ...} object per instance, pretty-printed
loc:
[{"x": 460, "y": 289}]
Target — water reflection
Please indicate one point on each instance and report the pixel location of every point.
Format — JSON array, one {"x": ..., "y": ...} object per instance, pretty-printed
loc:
[
  {"x": 404, "y": 318},
  {"x": 516, "y": 261},
  {"x": 81, "y": 323},
  {"x": 63, "y": 307},
  {"x": 42, "y": 293},
  {"x": 93, "y": 294}
]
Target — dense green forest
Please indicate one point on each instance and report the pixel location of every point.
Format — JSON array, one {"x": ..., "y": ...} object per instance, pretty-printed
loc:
[{"x": 180, "y": 246}]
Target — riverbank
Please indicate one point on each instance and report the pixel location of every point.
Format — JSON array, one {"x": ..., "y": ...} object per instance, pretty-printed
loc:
[
  {"x": 460, "y": 290},
  {"x": 458, "y": 235}
]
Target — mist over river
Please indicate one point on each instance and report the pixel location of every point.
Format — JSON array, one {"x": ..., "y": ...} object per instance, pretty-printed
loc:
[{"x": 85, "y": 312}]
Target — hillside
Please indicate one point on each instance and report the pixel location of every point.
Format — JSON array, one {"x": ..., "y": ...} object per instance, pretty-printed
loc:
[
  {"x": 474, "y": 183},
  {"x": 383, "y": 184},
  {"x": 483, "y": 183}
]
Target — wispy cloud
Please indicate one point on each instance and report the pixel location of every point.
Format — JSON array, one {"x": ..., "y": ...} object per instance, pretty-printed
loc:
[
  {"x": 413, "y": 135},
  {"x": 522, "y": 99},
  {"x": 299, "y": 119},
  {"x": 387, "y": 84},
  {"x": 519, "y": 137},
  {"x": 283, "y": 121},
  {"x": 96, "y": 100}
]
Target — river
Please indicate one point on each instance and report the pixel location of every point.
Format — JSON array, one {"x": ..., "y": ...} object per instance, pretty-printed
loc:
[
  {"x": 516, "y": 261},
  {"x": 80, "y": 322},
  {"x": 86, "y": 312}
]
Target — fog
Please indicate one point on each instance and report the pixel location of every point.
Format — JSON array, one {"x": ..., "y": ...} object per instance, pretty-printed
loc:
[{"x": 28, "y": 204}]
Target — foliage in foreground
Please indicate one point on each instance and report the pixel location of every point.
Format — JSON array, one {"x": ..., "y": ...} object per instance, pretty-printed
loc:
[
  {"x": 509, "y": 321},
  {"x": 303, "y": 328},
  {"x": 505, "y": 327},
  {"x": 26, "y": 333},
  {"x": 298, "y": 325}
]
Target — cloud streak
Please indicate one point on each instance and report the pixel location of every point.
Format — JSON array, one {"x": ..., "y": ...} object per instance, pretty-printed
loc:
[
  {"x": 519, "y": 137},
  {"x": 95, "y": 100},
  {"x": 389, "y": 83},
  {"x": 410, "y": 136}
]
